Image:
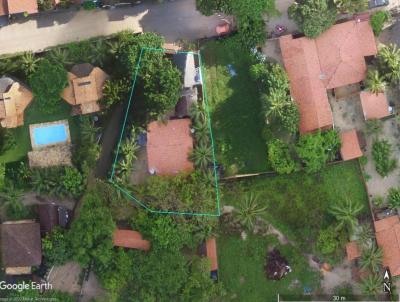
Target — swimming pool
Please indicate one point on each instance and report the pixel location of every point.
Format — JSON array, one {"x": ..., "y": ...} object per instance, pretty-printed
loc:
[{"x": 49, "y": 134}]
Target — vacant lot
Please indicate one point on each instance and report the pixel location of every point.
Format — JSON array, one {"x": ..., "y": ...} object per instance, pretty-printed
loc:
[
  {"x": 235, "y": 108},
  {"x": 297, "y": 205}
]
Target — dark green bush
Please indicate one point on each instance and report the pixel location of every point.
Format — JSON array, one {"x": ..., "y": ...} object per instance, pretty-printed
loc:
[
  {"x": 378, "y": 20},
  {"x": 381, "y": 153}
]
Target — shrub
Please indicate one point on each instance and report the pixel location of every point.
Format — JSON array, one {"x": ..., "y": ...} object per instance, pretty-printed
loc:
[
  {"x": 378, "y": 201},
  {"x": 280, "y": 158},
  {"x": 312, "y": 17},
  {"x": 55, "y": 247},
  {"x": 72, "y": 181},
  {"x": 378, "y": 20},
  {"x": 394, "y": 197},
  {"x": 7, "y": 140},
  {"x": 89, "y": 5},
  {"x": 381, "y": 151},
  {"x": 47, "y": 83},
  {"x": 115, "y": 91},
  {"x": 327, "y": 241},
  {"x": 332, "y": 143},
  {"x": 311, "y": 150}
]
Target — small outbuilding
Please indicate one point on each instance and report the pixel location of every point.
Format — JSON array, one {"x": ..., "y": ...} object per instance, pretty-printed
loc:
[
  {"x": 350, "y": 145},
  {"x": 52, "y": 215},
  {"x": 20, "y": 246},
  {"x": 130, "y": 239},
  {"x": 353, "y": 251},
  {"x": 209, "y": 250},
  {"x": 375, "y": 106}
]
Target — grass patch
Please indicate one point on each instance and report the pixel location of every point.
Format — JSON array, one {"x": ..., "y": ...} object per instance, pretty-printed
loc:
[
  {"x": 241, "y": 269},
  {"x": 297, "y": 204},
  {"x": 235, "y": 108},
  {"x": 32, "y": 116}
]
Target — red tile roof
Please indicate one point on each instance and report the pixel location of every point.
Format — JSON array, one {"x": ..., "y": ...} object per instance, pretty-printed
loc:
[
  {"x": 375, "y": 106},
  {"x": 350, "y": 148},
  {"x": 130, "y": 239},
  {"x": 22, "y": 6},
  {"x": 211, "y": 247},
  {"x": 352, "y": 250},
  {"x": 388, "y": 238},
  {"x": 334, "y": 59},
  {"x": 3, "y": 8},
  {"x": 169, "y": 146}
]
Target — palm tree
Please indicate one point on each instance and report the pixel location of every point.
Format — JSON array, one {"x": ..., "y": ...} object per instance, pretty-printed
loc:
[
  {"x": 201, "y": 133},
  {"x": 59, "y": 55},
  {"x": 374, "y": 82},
  {"x": 277, "y": 101},
  {"x": 8, "y": 65},
  {"x": 249, "y": 210},
  {"x": 129, "y": 149},
  {"x": 202, "y": 156},
  {"x": 28, "y": 62},
  {"x": 88, "y": 130},
  {"x": 371, "y": 285},
  {"x": 98, "y": 56},
  {"x": 365, "y": 235},
  {"x": 389, "y": 62},
  {"x": 197, "y": 113},
  {"x": 346, "y": 212},
  {"x": 11, "y": 198},
  {"x": 371, "y": 258}
]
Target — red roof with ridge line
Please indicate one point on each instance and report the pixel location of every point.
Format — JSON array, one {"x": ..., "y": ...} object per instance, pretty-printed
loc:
[
  {"x": 130, "y": 239},
  {"x": 350, "y": 147},
  {"x": 375, "y": 106},
  {"x": 336, "y": 58},
  {"x": 169, "y": 146}
]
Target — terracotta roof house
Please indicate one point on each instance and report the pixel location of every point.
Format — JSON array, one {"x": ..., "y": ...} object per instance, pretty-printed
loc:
[
  {"x": 375, "y": 106},
  {"x": 353, "y": 251},
  {"x": 130, "y": 239},
  {"x": 11, "y": 7},
  {"x": 388, "y": 238},
  {"x": 336, "y": 58},
  {"x": 169, "y": 146},
  {"x": 350, "y": 147},
  {"x": 85, "y": 88},
  {"x": 20, "y": 246},
  {"x": 14, "y": 99}
]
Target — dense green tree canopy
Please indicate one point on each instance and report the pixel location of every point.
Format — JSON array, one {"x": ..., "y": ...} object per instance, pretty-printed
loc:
[
  {"x": 91, "y": 233},
  {"x": 280, "y": 158},
  {"x": 313, "y": 16},
  {"x": 47, "y": 83}
]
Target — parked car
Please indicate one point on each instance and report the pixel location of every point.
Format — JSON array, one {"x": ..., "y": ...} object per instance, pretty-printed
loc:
[{"x": 377, "y": 3}]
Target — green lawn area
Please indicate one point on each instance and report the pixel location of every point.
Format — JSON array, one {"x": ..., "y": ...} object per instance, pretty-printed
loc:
[
  {"x": 34, "y": 115},
  {"x": 241, "y": 269},
  {"x": 235, "y": 108},
  {"x": 296, "y": 205}
]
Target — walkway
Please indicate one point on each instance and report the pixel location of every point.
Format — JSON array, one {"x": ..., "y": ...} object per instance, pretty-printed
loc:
[{"x": 175, "y": 20}]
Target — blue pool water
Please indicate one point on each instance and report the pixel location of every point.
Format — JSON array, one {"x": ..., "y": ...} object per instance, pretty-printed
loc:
[{"x": 52, "y": 134}]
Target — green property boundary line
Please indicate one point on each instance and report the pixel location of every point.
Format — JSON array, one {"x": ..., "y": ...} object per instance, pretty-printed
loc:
[{"x": 127, "y": 193}]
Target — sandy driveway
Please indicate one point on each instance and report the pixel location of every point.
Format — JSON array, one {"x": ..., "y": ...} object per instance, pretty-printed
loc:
[{"x": 175, "y": 20}]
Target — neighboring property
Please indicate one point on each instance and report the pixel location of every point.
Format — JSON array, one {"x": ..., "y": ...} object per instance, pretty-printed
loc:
[
  {"x": 388, "y": 238},
  {"x": 335, "y": 59},
  {"x": 51, "y": 144},
  {"x": 12, "y": 7},
  {"x": 85, "y": 88},
  {"x": 20, "y": 246},
  {"x": 375, "y": 106},
  {"x": 52, "y": 215},
  {"x": 14, "y": 99},
  {"x": 130, "y": 239},
  {"x": 169, "y": 146},
  {"x": 350, "y": 147}
]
